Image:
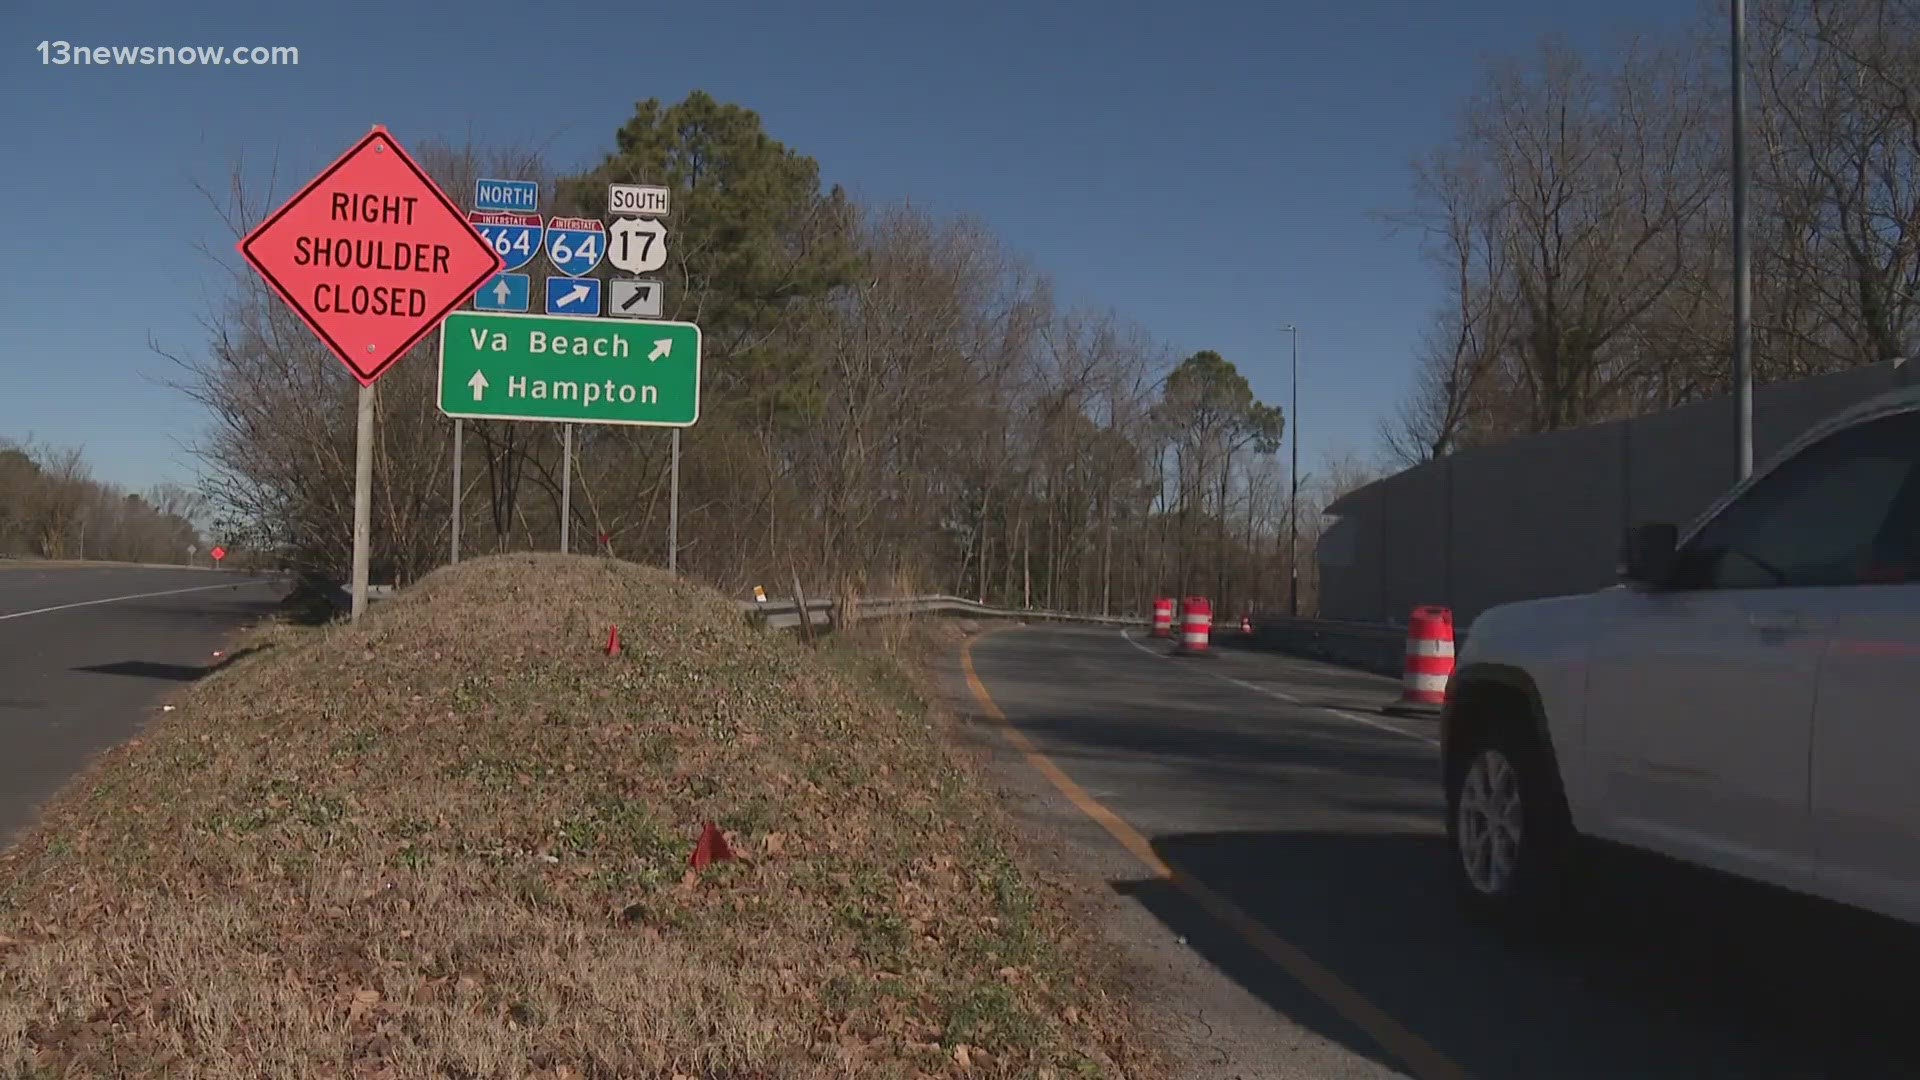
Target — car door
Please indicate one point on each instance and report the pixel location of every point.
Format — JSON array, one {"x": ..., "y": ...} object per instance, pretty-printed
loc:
[
  {"x": 1866, "y": 738},
  {"x": 1701, "y": 695}
]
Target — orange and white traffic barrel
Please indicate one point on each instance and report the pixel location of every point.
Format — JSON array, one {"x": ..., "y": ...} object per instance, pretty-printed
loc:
[
  {"x": 1196, "y": 626},
  {"x": 1429, "y": 663},
  {"x": 1163, "y": 616}
]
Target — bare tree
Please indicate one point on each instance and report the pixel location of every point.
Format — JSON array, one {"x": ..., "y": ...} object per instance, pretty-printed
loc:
[
  {"x": 1840, "y": 123},
  {"x": 1461, "y": 233},
  {"x": 1566, "y": 215},
  {"x": 59, "y": 499}
]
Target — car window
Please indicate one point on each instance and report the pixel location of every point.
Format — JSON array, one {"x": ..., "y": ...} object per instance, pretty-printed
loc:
[{"x": 1837, "y": 513}]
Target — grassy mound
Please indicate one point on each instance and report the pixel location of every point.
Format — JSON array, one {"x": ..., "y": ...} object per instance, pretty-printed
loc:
[{"x": 453, "y": 842}]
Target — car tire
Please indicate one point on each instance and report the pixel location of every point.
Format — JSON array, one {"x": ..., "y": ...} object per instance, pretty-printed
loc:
[{"x": 1508, "y": 833}]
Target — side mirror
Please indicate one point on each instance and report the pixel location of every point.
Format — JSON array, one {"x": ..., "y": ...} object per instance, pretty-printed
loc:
[{"x": 1647, "y": 556}]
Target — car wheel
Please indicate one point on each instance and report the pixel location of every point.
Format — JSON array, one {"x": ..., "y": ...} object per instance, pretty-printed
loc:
[{"x": 1507, "y": 826}]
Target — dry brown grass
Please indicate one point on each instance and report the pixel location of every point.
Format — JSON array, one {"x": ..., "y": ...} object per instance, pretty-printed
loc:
[{"x": 453, "y": 842}]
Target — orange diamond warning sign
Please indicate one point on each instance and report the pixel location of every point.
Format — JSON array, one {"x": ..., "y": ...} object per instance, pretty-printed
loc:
[{"x": 371, "y": 254}]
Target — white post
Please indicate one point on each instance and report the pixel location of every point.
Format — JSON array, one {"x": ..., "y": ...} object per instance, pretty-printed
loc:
[
  {"x": 1742, "y": 273},
  {"x": 566, "y": 488},
  {"x": 362, "y": 499},
  {"x": 456, "y": 489},
  {"x": 1293, "y": 497},
  {"x": 673, "y": 511}
]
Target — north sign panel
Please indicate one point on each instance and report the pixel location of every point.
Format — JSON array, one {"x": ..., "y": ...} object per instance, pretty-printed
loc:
[{"x": 506, "y": 196}]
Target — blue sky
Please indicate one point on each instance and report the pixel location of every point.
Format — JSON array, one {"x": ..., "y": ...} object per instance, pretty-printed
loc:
[{"x": 1209, "y": 170}]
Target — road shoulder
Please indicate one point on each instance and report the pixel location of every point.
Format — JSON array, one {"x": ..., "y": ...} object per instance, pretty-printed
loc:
[{"x": 1212, "y": 1027}]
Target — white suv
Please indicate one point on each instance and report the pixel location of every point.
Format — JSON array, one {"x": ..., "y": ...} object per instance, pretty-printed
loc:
[{"x": 1748, "y": 700}]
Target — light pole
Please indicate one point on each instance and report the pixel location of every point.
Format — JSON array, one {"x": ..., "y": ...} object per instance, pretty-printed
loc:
[
  {"x": 1742, "y": 277},
  {"x": 1293, "y": 497}
]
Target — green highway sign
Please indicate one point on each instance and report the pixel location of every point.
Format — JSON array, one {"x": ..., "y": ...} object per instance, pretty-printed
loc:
[{"x": 498, "y": 366}]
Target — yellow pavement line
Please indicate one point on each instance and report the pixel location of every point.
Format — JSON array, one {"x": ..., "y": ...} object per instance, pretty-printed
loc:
[
  {"x": 1414, "y": 1052},
  {"x": 1121, "y": 831}
]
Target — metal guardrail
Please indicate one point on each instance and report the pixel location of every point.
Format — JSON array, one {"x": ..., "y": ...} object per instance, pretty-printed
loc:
[
  {"x": 1377, "y": 647},
  {"x": 785, "y": 614}
]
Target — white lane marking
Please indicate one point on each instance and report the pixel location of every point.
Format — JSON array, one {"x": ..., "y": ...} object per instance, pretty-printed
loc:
[
  {"x": 134, "y": 596},
  {"x": 1127, "y": 636}
]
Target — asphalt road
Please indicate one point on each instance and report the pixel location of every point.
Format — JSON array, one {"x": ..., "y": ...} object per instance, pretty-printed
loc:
[
  {"x": 86, "y": 654},
  {"x": 1278, "y": 788}
]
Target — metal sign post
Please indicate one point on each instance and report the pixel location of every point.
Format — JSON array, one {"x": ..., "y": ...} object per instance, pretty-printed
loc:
[
  {"x": 362, "y": 497},
  {"x": 566, "y": 488},
  {"x": 1742, "y": 272},
  {"x": 673, "y": 509},
  {"x": 457, "y": 422}
]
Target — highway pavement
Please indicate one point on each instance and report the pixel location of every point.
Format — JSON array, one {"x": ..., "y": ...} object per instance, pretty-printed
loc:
[
  {"x": 87, "y": 653},
  {"x": 1274, "y": 847}
]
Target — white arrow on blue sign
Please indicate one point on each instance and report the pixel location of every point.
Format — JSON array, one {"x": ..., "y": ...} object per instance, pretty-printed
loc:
[
  {"x": 515, "y": 236},
  {"x": 575, "y": 245},
  {"x": 573, "y": 296},
  {"x": 503, "y": 292}
]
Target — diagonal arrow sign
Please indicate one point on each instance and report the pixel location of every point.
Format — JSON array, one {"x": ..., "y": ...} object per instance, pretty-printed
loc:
[
  {"x": 640, "y": 293},
  {"x": 577, "y": 293},
  {"x": 661, "y": 347}
]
